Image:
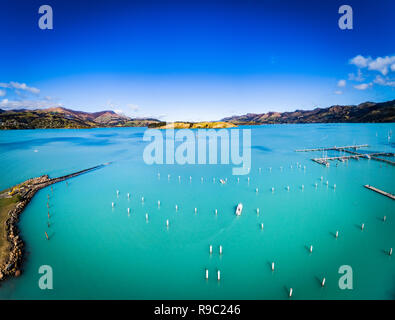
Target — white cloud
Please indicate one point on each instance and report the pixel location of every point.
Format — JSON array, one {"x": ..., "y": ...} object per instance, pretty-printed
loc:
[
  {"x": 2, "y": 93},
  {"x": 384, "y": 81},
  {"x": 363, "y": 86},
  {"x": 338, "y": 92},
  {"x": 28, "y": 104},
  {"x": 379, "y": 80},
  {"x": 360, "y": 61},
  {"x": 119, "y": 111},
  {"x": 358, "y": 77},
  {"x": 380, "y": 64},
  {"x": 20, "y": 86},
  {"x": 133, "y": 107},
  {"x": 341, "y": 83}
]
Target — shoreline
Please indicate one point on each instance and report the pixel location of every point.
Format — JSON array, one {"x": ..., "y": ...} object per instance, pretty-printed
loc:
[
  {"x": 236, "y": 125},
  {"x": 24, "y": 193}
]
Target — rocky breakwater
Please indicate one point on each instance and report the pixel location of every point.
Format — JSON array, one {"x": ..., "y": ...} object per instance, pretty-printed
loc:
[{"x": 23, "y": 193}]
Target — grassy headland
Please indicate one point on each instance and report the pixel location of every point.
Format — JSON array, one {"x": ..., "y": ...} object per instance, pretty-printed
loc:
[
  {"x": 197, "y": 125},
  {"x": 7, "y": 203}
]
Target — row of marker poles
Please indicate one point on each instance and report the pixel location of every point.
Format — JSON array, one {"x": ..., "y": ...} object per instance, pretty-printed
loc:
[
  {"x": 218, "y": 271},
  {"x": 211, "y": 249},
  {"x": 48, "y": 222},
  {"x": 218, "y": 274},
  {"x": 216, "y": 212}
]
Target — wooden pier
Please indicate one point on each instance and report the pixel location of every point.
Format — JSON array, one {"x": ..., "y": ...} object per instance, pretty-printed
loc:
[
  {"x": 384, "y": 160},
  {"x": 374, "y": 156},
  {"x": 351, "y": 150},
  {"x": 387, "y": 194},
  {"x": 333, "y": 148}
]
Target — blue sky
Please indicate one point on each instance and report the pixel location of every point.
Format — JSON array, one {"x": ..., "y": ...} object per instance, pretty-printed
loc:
[{"x": 195, "y": 60}]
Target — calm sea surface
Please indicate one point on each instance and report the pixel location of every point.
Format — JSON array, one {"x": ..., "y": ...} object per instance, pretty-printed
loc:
[{"x": 100, "y": 252}]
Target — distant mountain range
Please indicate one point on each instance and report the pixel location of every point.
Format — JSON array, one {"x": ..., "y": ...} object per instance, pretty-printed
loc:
[
  {"x": 364, "y": 112},
  {"x": 66, "y": 118}
]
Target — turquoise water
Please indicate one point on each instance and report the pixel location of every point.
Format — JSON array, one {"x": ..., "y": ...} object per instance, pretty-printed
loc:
[{"x": 97, "y": 252}]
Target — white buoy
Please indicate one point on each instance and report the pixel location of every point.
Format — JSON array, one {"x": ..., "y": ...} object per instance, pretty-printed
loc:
[
  {"x": 112, "y": 204},
  {"x": 142, "y": 199},
  {"x": 195, "y": 210},
  {"x": 256, "y": 190},
  {"x": 327, "y": 183},
  {"x": 316, "y": 184},
  {"x": 146, "y": 217},
  {"x": 302, "y": 186},
  {"x": 168, "y": 176},
  {"x": 322, "y": 178},
  {"x": 128, "y": 195},
  {"x": 384, "y": 218},
  {"x": 248, "y": 179},
  {"x": 176, "y": 207},
  {"x": 288, "y": 188},
  {"x": 211, "y": 249},
  {"x": 201, "y": 179},
  {"x": 311, "y": 249},
  {"x": 337, "y": 234},
  {"x": 290, "y": 292},
  {"x": 158, "y": 203},
  {"x": 238, "y": 179},
  {"x": 167, "y": 223},
  {"x": 272, "y": 266},
  {"x": 117, "y": 193},
  {"x": 323, "y": 282},
  {"x": 362, "y": 226},
  {"x": 272, "y": 189},
  {"x": 220, "y": 249},
  {"x": 257, "y": 210},
  {"x": 190, "y": 178},
  {"x": 128, "y": 210},
  {"x": 334, "y": 186},
  {"x": 262, "y": 226},
  {"x": 216, "y": 211},
  {"x": 179, "y": 178},
  {"x": 218, "y": 275},
  {"x": 390, "y": 252},
  {"x": 206, "y": 274}
]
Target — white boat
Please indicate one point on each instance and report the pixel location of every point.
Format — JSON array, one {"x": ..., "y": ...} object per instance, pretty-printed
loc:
[
  {"x": 222, "y": 181},
  {"x": 239, "y": 209}
]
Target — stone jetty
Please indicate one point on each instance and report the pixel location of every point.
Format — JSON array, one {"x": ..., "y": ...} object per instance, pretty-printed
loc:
[{"x": 24, "y": 192}]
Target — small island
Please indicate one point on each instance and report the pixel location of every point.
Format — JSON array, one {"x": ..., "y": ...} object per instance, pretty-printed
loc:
[{"x": 195, "y": 125}]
